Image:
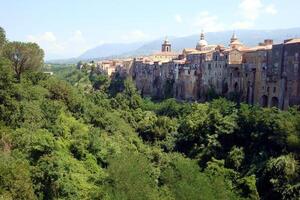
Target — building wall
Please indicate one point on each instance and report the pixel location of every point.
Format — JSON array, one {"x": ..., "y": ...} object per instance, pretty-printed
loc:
[
  {"x": 215, "y": 73},
  {"x": 268, "y": 75},
  {"x": 291, "y": 72}
]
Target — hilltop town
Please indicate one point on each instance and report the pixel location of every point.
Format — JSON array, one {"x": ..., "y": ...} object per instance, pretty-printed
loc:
[
  {"x": 218, "y": 121},
  {"x": 267, "y": 74}
]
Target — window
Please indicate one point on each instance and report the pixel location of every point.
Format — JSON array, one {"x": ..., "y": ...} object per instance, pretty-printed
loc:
[
  {"x": 296, "y": 66},
  {"x": 274, "y": 89}
]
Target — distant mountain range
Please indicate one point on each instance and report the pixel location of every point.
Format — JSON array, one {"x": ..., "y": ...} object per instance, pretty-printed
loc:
[{"x": 119, "y": 50}]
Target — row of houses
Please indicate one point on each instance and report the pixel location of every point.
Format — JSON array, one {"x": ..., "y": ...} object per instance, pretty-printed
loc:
[{"x": 267, "y": 74}]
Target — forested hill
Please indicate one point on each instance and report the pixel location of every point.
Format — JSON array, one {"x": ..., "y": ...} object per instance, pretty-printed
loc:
[{"x": 80, "y": 135}]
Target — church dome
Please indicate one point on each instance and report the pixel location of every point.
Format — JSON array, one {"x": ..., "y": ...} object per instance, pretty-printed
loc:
[
  {"x": 234, "y": 42},
  {"x": 202, "y": 42},
  {"x": 233, "y": 38}
]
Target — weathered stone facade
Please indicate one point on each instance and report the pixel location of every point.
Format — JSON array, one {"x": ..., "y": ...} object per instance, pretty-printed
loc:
[{"x": 267, "y": 75}]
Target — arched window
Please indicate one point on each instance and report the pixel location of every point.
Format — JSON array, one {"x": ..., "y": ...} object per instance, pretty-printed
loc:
[
  {"x": 236, "y": 87},
  {"x": 225, "y": 88},
  {"x": 264, "y": 101},
  {"x": 274, "y": 102}
]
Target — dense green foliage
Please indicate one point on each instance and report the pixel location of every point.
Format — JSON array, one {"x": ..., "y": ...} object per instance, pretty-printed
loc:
[
  {"x": 23, "y": 56},
  {"x": 80, "y": 135},
  {"x": 2, "y": 39}
]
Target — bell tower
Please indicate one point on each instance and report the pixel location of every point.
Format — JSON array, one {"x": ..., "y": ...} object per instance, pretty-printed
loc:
[
  {"x": 202, "y": 42},
  {"x": 166, "y": 46}
]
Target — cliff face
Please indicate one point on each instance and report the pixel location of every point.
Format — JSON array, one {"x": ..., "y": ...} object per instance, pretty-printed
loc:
[{"x": 267, "y": 75}]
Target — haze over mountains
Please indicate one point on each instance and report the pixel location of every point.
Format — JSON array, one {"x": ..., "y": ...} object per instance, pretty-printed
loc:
[{"x": 116, "y": 50}]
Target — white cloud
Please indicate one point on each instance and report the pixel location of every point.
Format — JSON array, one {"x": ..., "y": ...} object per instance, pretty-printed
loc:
[
  {"x": 251, "y": 9},
  {"x": 208, "y": 22},
  {"x": 134, "y": 36},
  {"x": 178, "y": 18},
  {"x": 270, "y": 9},
  {"x": 72, "y": 46},
  {"x": 77, "y": 37},
  {"x": 47, "y": 36},
  {"x": 242, "y": 25},
  {"x": 47, "y": 41}
]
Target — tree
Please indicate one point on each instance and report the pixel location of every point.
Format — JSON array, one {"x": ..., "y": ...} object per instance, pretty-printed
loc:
[
  {"x": 24, "y": 56},
  {"x": 99, "y": 82},
  {"x": 282, "y": 174},
  {"x": 15, "y": 181},
  {"x": 202, "y": 131},
  {"x": 116, "y": 84},
  {"x": 2, "y": 39},
  {"x": 235, "y": 157},
  {"x": 130, "y": 177},
  {"x": 183, "y": 177},
  {"x": 153, "y": 129},
  {"x": 8, "y": 105}
]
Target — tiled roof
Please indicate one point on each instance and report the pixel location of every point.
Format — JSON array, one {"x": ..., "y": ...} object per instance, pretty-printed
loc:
[
  {"x": 257, "y": 48},
  {"x": 201, "y": 52},
  {"x": 166, "y": 54},
  {"x": 296, "y": 40}
]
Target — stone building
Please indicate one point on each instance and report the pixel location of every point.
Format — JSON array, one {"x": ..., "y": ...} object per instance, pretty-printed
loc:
[
  {"x": 154, "y": 75},
  {"x": 272, "y": 74},
  {"x": 215, "y": 72},
  {"x": 256, "y": 62},
  {"x": 110, "y": 67},
  {"x": 290, "y": 73},
  {"x": 191, "y": 83},
  {"x": 267, "y": 75},
  {"x": 283, "y": 75},
  {"x": 234, "y": 66}
]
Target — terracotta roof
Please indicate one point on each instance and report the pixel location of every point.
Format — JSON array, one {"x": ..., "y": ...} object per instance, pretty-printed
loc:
[
  {"x": 190, "y": 49},
  {"x": 236, "y": 42},
  {"x": 166, "y": 54},
  {"x": 242, "y": 49},
  {"x": 257, "y": 48},
  {"x": 201, "y": 52},
  {"x": 296, "y": 40}
]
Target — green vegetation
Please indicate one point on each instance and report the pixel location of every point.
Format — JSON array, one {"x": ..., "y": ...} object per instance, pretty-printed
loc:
[{"x": 80, "y": 135}]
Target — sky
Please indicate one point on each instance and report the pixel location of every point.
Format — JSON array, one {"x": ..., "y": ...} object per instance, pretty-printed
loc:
[{"x": 67, "y": 28}]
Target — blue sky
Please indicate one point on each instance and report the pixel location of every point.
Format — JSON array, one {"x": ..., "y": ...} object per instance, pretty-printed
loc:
[{"x": 66, "y": 28}]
